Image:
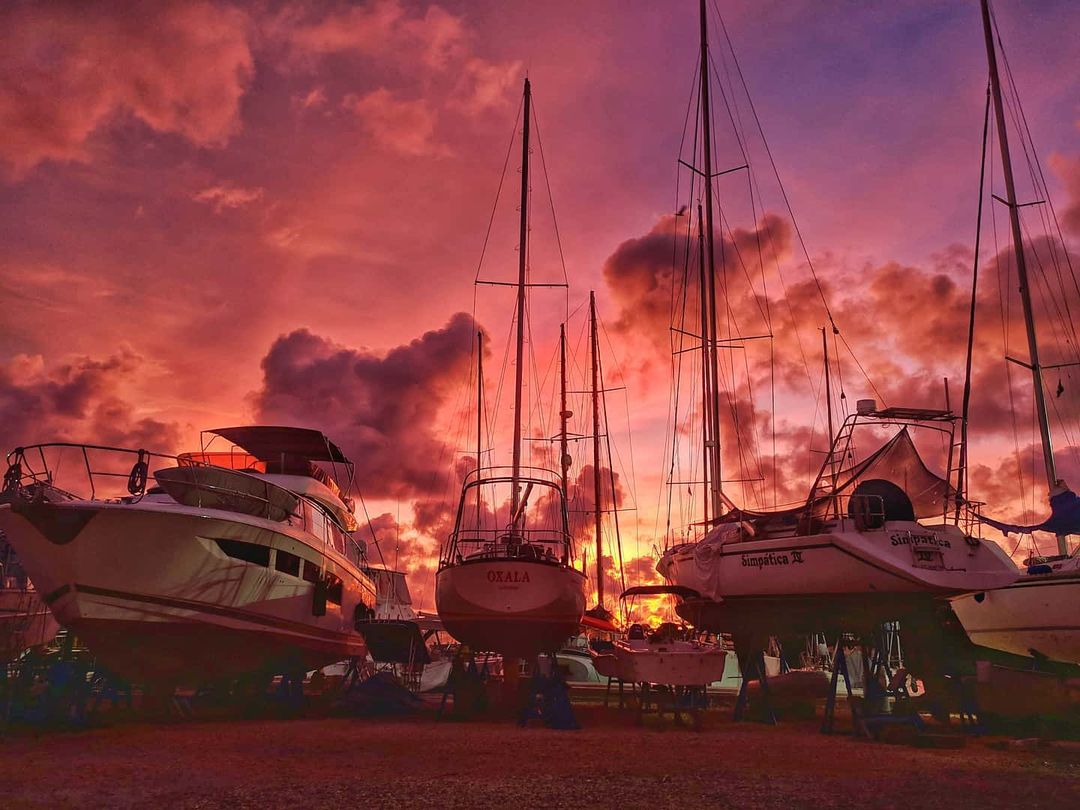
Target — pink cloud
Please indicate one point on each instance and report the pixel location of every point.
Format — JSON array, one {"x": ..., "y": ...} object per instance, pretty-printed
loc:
[
  {"x": 383, "y": 29},
  {"x": 1068, "y": 170},
  {"x": 81, "y": 400},
  {"x": 485, "y": 85},
  {"x": 225, "y": 195},
  {"x": 400, "y": 125},
  {"x": 179, "y": 68}
]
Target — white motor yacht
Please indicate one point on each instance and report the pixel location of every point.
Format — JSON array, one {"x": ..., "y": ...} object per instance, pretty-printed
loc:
[{"x": 207, "y": 565}]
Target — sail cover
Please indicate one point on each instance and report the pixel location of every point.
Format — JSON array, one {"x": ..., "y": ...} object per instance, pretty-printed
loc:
[{"x": 1064, "y": 517}]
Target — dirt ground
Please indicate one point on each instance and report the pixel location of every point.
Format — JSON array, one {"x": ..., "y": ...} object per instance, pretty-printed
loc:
[{"x": 347, "y": 762}]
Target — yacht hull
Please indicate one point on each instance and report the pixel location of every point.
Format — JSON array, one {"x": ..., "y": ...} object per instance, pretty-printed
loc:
[
  {"x": 518, "y": 608},
  {"x": 1035, "y": 616},
  {"x": 154, "y": 595}
]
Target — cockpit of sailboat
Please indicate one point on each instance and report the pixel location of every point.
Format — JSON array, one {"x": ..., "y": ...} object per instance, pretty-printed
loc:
[{"x": 490, "y": 527}]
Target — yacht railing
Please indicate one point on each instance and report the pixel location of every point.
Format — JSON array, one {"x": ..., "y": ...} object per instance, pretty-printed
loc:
[
  {"x": 30, "y": 465},
  {"x": 538, "y": 545}
]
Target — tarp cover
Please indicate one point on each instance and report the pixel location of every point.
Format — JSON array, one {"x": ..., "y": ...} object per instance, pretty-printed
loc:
[
  {"x": 1064, "y": 517},
  {"x": 269, "y": 442},
  {"x": 897, "y": 461}
]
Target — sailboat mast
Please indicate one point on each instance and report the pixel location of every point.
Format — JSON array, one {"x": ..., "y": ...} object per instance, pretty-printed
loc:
[
  {"x": 709, "y": 327},
  {"x": 828, "y": 410},
  {"x": 705, "y": 402},
  {"x": 523, "y": 240},
  {"x": 564, "y": 414},
  {"x": 1021, "y": 263},
  {"x": 479, "y": 416},
  {"x": 597, "y": 511}
]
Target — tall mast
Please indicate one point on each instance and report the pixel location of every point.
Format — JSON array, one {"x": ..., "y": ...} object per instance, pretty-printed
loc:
[
  {"x": 564, "y": 413},
  {"x": 523, "y": 243},
  {"x": 1021, "y": 263},
  {"x": 708, "y": 331},
  {"x": 706, "y": 410},
  {"x": 597, "y": 511},
  {"x": 828, "y": 410},
  {"x": 479, "y": 415}
]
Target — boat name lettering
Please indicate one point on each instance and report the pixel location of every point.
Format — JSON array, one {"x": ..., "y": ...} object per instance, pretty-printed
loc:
[
  {"x": 508, "y": 576},
  {"x": 920, "y": 539},
  {"x": 760, "y": 561}
]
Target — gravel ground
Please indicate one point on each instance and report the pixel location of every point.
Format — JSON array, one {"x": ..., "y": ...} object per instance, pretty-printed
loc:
[{"x": 611, "y": 763}]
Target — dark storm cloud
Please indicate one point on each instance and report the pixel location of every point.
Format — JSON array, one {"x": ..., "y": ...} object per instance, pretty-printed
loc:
[
  {"x": 382, "y": 409},
  {"x": 80, "y": 401}
]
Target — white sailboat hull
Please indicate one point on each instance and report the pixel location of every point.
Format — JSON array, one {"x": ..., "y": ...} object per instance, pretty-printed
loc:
[
  {"x": 1036, "y": 615},
  {"x": 839, "y": 576},
  {"x": 150, "y": 590},
  {"x": 514, "y": 607}
]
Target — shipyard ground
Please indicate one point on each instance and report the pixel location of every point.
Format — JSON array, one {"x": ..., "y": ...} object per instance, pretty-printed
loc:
[{"x": 418, "y": 761}]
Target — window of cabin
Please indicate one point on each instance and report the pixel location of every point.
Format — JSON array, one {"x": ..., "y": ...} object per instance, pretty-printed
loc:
[
  {"x": 248, "y": 552},
  {"x": 311, "y": 571},
  {"x": 334, "y": 589},
  {"x": 318, "y": 525},
  {"x": 339, "y": 539},
  {"x": 287, "y": 563}
]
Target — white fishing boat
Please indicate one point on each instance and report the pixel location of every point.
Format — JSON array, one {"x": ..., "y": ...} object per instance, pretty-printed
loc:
[
  {"x": 506, "y": 581},
  {"x": 669, "y": 655},
  {"x": 236, "y": 562},
  {"x": 1037, "y": 615},
  {"x": 874, "y": 540}
]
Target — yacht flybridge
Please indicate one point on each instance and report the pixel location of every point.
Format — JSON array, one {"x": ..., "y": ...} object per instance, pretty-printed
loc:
[
  {"x": 506, "y": 582},
  {"x": 237, "y": 559}
]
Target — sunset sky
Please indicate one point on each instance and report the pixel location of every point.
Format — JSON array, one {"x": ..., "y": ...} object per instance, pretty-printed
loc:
[{"x": 219, "y": 213}]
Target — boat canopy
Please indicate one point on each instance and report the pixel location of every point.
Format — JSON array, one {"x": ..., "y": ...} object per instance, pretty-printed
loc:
[
  {"x": 897, "y": 462},
  {"x": 661, "y": 590},
  {"x": 270, "y": 443}
]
